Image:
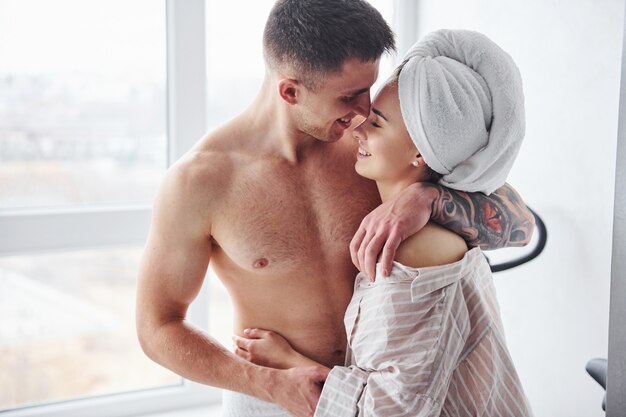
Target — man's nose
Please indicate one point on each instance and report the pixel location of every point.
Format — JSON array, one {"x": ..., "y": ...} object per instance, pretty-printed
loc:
[{"x": 362, "y": 105}]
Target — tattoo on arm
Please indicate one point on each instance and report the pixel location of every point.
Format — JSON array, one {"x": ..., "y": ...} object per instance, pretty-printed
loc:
[{"x": 491, "y": 222}]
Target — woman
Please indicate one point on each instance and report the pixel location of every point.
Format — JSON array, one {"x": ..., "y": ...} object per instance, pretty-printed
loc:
[{"x": 428, "y": 339}]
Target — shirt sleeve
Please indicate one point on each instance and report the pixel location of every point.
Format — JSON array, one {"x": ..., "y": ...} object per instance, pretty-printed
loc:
[
  {"x": 351, "y": 391},
  {"x": 342, "y": 391}
]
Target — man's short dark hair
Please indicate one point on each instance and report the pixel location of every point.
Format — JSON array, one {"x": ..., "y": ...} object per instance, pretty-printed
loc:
[{"x": 315, "y": 37}]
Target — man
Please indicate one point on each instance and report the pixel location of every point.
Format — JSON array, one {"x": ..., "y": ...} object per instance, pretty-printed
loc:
[{"x": 272, "y": 201}]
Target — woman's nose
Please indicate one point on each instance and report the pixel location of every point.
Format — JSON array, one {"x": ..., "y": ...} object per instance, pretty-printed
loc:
[{"x": 359, "y": 132}]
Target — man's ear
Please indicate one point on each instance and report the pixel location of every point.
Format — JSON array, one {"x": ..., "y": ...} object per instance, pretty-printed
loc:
[{"x": 289, "y": 90}]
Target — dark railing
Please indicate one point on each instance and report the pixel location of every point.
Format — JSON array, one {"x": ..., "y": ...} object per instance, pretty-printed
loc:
[{"x": 597, "y": 369}]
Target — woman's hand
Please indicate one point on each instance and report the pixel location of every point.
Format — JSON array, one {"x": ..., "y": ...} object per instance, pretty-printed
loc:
[{"x": 267, "y": 348}]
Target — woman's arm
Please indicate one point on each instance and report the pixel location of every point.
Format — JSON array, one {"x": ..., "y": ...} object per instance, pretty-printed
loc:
[
  {"x": 343, "y": 385},
  {"x": 268, "y": 348}
]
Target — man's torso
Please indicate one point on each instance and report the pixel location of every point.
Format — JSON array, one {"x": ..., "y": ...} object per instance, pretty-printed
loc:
[{"x": 280, "y": 242}]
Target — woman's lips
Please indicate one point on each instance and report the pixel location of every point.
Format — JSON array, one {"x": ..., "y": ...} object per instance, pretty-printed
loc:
[{"x": 362, "y": 153}]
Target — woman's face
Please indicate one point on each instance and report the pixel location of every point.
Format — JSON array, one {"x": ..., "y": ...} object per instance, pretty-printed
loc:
[{"x": 386, "y": 151}]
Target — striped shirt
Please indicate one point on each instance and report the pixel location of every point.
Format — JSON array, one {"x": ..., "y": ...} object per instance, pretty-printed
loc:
[{"x": 425, "y": 342}]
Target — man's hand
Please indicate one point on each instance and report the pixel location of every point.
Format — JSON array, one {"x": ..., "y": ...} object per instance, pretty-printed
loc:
[
  {"x": 298, "y": 390},
  {"x": 496, "y": 221},
  {"x": 387, "y": 226}
]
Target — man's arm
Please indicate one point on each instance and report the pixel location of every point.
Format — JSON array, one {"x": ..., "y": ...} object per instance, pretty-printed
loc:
[
  {"x": 173, "y": 267},
  {"x": 495, "y": 221}
]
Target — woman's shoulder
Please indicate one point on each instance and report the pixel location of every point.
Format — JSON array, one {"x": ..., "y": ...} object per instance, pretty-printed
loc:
[{"x": 433, "y": 245}]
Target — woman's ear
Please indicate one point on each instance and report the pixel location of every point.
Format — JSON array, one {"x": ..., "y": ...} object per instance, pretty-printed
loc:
[
  {"x": 289, "y": 90},
  {"x": 418, "y": 161}
]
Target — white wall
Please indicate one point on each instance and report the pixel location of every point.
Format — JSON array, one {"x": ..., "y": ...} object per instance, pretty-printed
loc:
[{"x": 555, "y": 309}]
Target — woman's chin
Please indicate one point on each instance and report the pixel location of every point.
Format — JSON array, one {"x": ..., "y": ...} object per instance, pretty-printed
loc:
[{"x": 363, "y": 172}]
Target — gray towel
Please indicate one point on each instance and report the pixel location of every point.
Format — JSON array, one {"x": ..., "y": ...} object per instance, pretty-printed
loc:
[{"x": 462, "y": 102}]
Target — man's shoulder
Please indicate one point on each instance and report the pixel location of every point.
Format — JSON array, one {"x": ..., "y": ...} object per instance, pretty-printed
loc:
[{"x": 200, "y": 171}]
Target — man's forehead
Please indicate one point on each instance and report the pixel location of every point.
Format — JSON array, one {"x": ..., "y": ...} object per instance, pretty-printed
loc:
[
  {"x": 356, "y": 92},
  {"x": 356, "y": 77}
]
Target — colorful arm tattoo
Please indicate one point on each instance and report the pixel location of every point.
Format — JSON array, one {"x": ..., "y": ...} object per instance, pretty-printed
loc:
[{"x": 496, "y": 221}]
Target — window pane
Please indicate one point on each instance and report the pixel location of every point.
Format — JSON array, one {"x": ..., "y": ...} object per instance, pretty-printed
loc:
[
  {"x": 235, "y": 69},
  {"x": 386, "y": 9},
  {"x": 67, "y": 327},
  {"x": 82, "y": 101}
]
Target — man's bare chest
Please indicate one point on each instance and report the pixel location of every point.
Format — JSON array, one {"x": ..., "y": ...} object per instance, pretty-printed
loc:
[{"x": 286, "y": 216}]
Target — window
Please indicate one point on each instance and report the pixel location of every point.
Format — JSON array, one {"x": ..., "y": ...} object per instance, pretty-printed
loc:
[
  {"x": 67, "y": 327},
  {"x": 82, "y": 113},
  {"x": 94, "y": 105}
]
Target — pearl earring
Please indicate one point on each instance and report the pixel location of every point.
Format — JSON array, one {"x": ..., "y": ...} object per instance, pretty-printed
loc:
[{"x": 415, "y": 163}]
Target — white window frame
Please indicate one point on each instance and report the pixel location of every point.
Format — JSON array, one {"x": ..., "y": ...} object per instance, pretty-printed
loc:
[
  {"x": 36, "y": 231},
  {"x": 405, "y": 26}
]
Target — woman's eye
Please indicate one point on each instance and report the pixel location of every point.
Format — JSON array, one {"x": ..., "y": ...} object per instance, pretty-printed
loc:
[
  {"x": 375, "y": 124},
  {"x": 347, "y": 99}
]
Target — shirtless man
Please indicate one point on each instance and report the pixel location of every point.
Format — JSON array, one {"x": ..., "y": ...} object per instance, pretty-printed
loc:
[{"x": 271, "y": 199}]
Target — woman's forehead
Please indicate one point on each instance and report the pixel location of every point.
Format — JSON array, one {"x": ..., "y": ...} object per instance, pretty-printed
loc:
[{"x": 387, "y": 92}]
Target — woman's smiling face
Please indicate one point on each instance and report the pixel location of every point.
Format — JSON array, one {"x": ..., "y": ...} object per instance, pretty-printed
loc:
[{"x": 386, "y": 151}]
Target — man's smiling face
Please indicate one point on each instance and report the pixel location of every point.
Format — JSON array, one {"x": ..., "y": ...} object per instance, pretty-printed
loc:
[{"x": 327, "y": 111}]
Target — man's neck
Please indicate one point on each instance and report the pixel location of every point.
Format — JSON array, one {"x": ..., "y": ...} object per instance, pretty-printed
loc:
[{"x": 273, "y": 129}]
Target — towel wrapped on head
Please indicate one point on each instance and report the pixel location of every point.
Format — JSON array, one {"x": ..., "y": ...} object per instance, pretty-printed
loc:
[{"x": 462, "y": 102}]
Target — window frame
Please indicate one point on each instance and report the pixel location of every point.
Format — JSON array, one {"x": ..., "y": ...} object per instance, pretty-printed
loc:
[
  {"x": 38, "y": 230},
  {"x": 405, "y": 25}
]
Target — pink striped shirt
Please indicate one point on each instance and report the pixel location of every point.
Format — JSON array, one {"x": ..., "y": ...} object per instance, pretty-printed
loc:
[{"x": 426, "y": 342}]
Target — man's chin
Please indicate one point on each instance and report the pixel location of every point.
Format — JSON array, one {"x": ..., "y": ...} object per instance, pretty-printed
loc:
[
  {"x": 329, "y": 137},
  {"x": 336, "y": 134}
]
